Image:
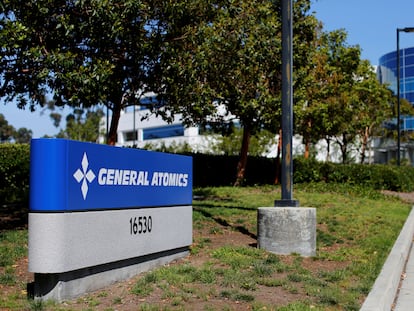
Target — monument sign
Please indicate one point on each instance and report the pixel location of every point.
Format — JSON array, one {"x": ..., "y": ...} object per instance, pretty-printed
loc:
[{"x": 99, "y": 214}]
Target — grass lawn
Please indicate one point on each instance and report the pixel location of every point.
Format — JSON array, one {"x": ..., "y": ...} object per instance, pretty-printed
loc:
[{"x": 356, "y": 229}]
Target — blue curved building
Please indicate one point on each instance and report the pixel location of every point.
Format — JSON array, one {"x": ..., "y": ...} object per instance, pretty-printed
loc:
[{"x": 387, "y": 72}]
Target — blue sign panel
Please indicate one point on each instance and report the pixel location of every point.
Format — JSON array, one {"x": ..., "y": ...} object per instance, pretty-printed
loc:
[{"x": 69, "y": 175}]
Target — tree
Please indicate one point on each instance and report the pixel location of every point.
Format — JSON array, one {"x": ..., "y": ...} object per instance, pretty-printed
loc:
[
  {"x": 336, "y": 103},
  {"x": 389, "y": 128},
  {"x": 311, "y": 113},
  {"x": 9, "y": 133},
  {"x": 341, "y": 99},
  {"x": 229, "y": 65},
  {"x": 374, "y": 100},
  {"x": 83, "y": 125},
  {"x": 6, "y": 130},
  {"x": 23, "y": 135},
  {"x": 83, "y": 52},
  {"x": 260, "y": 144}
]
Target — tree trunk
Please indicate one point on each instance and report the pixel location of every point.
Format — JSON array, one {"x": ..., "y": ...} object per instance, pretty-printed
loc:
[
  {"x": 241, "y": 166},
  {"x": 328, "y": 149},
  {"x": 344, "y": 149},
  {"x": 113, "y": 130},
  {"x": 307, "y": 141},
  {"x": 364, "y": 144},
  {"x": 306, "y": 155},
  {"x": 279, "y": 148}
]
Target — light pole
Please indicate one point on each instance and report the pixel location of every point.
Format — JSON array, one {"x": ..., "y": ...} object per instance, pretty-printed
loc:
[
  {"x": 287, "y": 107},
  {"x": 288, "y": 228},
  {"x": 406, "y": 29}
]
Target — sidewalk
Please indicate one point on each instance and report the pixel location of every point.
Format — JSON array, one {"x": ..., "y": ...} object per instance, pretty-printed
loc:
[
  {"x": 400, "y": 262},
  {"x": 405, "y": 295}
]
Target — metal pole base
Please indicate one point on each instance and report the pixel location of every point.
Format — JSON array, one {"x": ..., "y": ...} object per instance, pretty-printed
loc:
[{"x": 286, "y": 203}]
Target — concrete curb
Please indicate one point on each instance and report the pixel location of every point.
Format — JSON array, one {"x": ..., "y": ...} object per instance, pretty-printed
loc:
[{"x": 384, "y": 291}]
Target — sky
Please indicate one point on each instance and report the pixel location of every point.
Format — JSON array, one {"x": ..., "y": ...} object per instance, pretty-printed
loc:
[{"x": 371, "y": 24}]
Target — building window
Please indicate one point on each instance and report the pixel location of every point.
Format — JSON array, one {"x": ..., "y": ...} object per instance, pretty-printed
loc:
[
  {"x": 131, "y": 135},
  {"x": 387, "y": 72},
  {"x": 408, "y": 124},
  {"x": 163, "y": 132},
  {"x": 222, "y": 128}
]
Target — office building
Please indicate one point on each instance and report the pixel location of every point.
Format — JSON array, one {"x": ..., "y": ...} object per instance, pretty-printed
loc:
[{"x": 387, "y": 72}]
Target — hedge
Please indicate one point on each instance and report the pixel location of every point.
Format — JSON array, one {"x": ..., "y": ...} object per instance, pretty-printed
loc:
[
  {"x": 14, "y": 173},
  {"x": 213, "y": 170},
  {"x": 220, "y": 170},
  {"x": 376, "y": 176}
]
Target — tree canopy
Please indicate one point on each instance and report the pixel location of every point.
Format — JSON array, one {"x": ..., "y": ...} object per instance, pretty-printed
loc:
[
  {"x": 84, "y": 53},
  {"x": 82, "y": 125},
  {"x": 6, "y": 130},
  {"x": 340, "y": 100},
  {"x": 230, "y": 66},
  {"x": 195, "y": 54},
  {"x": 9, "y": 133},
  {"x": 211, "y": 61}
]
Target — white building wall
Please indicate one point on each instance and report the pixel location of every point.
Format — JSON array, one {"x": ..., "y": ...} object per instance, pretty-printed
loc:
[
  {"x": 143, "y": 120},
  {"x": 202, "y": 143}
]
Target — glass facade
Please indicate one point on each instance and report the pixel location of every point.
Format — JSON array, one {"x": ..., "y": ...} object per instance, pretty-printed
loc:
[
  {"x": 387, "y": 72},
  {"x": 163, "y": 132}
]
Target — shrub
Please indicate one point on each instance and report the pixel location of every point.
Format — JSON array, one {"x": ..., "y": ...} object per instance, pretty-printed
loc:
[
  {"x": 14, "y": 173},
  {"x": 375, "y": 176}
]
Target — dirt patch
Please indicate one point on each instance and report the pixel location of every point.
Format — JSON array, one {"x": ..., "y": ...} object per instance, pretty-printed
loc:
[{"x": 404, "y": 196}]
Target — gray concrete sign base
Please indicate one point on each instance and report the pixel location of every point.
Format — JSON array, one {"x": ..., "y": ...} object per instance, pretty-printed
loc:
[
  {"x": 287, "y": 230},
  {"x": 68, "y": 285}
]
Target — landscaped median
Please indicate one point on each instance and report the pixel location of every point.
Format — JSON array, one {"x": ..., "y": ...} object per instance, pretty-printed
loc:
[{"x": 356, "y": 229}]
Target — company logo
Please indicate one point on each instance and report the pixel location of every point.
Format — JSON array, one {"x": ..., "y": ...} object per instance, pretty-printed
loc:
[
  {"x": 114, "y": 177},
  {"x": 84, "y": 175}
]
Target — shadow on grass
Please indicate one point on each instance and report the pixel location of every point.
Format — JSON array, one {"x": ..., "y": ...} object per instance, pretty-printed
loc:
[
  {"x": 13, "y": 216},
  {"x": 240, "y": 208},
  {"x": 224, "y": 222}
]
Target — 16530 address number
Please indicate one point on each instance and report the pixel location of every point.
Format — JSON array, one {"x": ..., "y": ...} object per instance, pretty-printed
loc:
[{"x": 140, "y": 225}]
